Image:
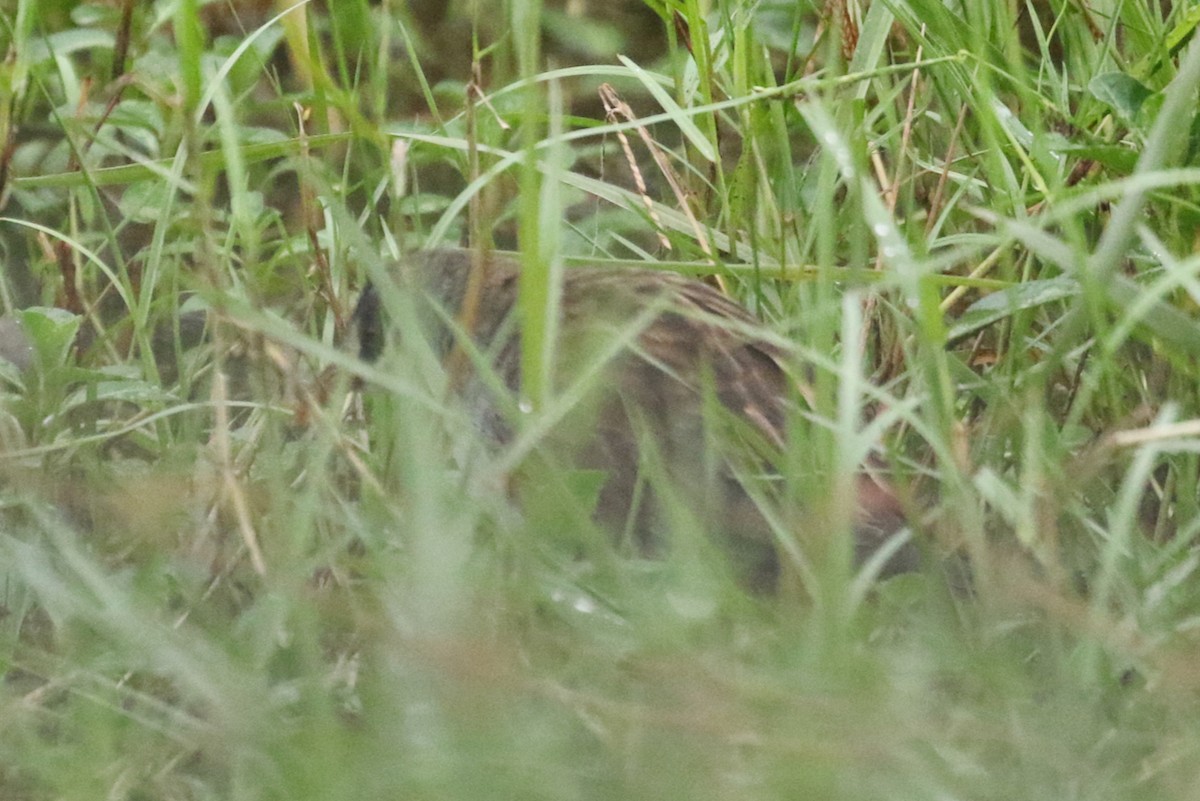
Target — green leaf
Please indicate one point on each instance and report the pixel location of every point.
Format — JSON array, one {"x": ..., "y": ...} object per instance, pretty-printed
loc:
[
  {"x": 1118, "y": 158},
  {"x": 52, "y": 333},
  {"x": 1120, "y": 91},
  {"x": 1005, "y": 303},
  {"x": 125, "y": 389},
  {"x": 90, "y": 15},
  {"x": 64, "y": 43},
  {"x": 10, "y": 375},
  {"x": 144, "y": 201}
]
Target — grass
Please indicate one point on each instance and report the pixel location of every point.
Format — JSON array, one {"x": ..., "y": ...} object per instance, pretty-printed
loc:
[{"x": 975, "y": 221}]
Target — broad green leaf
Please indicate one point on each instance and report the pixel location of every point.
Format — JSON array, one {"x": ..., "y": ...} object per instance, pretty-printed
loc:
[
  {"x": 52, "y": 333},
  {"x": 1120, "y": 91},
  {"x": 1006, "y": 302},
  {"x": 64, "y": 43}
]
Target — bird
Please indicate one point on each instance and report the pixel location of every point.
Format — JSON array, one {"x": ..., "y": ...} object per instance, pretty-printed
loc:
[{"x": 685, "y": 399}]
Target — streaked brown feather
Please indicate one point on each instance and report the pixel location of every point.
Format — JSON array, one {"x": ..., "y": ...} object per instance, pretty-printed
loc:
[{"x": 692, "y": 340}]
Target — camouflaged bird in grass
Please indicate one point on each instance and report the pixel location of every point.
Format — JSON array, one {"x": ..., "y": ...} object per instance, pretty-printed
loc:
[{"x": 683, "y": 401}]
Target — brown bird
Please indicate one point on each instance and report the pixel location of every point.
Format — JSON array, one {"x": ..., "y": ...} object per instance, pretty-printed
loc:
[{"x": 686, "y": 401}]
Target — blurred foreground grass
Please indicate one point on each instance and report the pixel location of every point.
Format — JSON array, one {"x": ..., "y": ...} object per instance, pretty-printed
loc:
[{"x": 979, "y": 227}]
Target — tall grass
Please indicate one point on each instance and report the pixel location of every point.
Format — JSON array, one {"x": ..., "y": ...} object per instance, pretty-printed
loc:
[{"x": 226, "y": 577}]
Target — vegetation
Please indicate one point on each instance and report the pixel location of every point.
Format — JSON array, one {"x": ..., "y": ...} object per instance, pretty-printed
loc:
[{"x": 221, "y": 578}]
